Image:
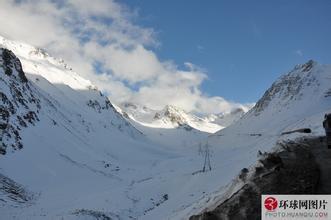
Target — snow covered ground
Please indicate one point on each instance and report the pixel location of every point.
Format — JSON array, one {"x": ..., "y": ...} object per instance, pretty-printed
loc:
[{"x": 84, "y": 159}]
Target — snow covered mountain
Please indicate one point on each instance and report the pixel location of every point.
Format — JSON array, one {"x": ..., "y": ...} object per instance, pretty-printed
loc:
[
  {"x": 169, "y": 117},
  {"x": 173, "y": 131},
  {"x": 67, "y": 153},
  {"x": 65, "y": 86},
  {"x": 59, "y": 137},
  {"x": 298, "y": 99}
]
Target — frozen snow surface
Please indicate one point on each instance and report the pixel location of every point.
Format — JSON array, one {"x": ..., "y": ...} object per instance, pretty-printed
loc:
[{"x": 78, "y": 156}]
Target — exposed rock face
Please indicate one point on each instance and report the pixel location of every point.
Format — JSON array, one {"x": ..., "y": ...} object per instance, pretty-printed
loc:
[
  {"x": 104, "y": 105},
  {"x": 15, "y": 192},
  {"x": 289, "y": 87},
  {"x": 12, "y": 64},
  {"x": 130, "y": 105},
  {"x": 18, "y": 106}
]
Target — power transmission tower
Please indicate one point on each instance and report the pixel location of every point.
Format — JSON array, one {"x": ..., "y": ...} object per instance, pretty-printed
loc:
[{"x": 206, "y": 153}]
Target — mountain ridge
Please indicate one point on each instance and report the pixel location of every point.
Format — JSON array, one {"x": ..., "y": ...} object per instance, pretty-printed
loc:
[{"x": 169, "y": 117}]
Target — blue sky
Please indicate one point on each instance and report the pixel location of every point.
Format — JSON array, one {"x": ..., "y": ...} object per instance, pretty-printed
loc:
[
  {"x": 205, "y": 56},
  {"x": 244, "y": 45}
]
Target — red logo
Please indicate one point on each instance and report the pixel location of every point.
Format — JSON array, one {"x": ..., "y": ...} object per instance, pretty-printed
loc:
[{"x": 270, "y": 203}]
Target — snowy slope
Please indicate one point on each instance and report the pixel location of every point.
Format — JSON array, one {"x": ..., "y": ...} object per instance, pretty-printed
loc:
[
  {"x": 169, "y": 117},
  {"x": 80, "y": 159},
  {"x": 78, "y": 141},
  {"x": 75, "y": 156}
]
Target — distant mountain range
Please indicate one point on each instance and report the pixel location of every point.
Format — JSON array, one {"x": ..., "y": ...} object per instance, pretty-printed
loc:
[{"x": 171, "y": 117}]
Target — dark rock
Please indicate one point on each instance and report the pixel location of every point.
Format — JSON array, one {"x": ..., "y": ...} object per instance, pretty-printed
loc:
[
  {"x": 10, "y": 61},
  {"x": 243, "y": 174},
  {"x": 18, "y": 105},
  {"x": 93, "y": 213}
]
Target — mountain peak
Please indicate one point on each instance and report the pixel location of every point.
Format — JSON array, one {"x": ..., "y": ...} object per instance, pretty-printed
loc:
[
  {"x": 306, "y": 67},
  {"x": 174, "y": 109},
  {"x": 37, "y": 61},
  {"x": 174, "y": 114},
  {"x": 304, "y": 78}
]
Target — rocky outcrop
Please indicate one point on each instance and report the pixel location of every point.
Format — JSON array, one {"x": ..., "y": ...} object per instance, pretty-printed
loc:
[
  {"x": 11, "y": 191},
  {"x": 18, "y": 105},
  {"x": 91, "y": 213}
]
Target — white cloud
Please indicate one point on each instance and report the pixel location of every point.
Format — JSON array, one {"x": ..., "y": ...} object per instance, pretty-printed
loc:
[
  {"x": 299, "y": 52},
  {"x": 135, "y": 65},
  {"x": 103, "y": 32},
  {"x": 200, "y": 48}
]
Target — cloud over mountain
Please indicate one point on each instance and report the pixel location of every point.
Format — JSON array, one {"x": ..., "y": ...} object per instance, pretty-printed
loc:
[{"x": 101, "y": 41}]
